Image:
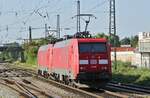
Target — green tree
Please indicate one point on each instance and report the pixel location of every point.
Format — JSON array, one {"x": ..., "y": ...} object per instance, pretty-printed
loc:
[
  {"x": 125, "y": 41},
  {"x": 111, "y": 39},
  {"x": 101, "y": 35},
  {"x": 31, "y": 49},
  {"x": 114, "y": 40},
  {"x": 134, "y": 41}
]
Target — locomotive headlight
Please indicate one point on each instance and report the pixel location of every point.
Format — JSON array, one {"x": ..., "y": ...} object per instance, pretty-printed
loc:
[
  {"x": 83, "y": 62},
  {"x": 103, "y": 61},
  {"x": 93, "y": 61}
]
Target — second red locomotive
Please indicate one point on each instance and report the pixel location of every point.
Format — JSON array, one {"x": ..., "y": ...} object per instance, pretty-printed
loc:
[{"x": 76, "y": 61}]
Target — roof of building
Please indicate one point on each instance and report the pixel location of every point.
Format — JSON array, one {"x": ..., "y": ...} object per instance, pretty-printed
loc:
[{"x": 123, "y": 49}]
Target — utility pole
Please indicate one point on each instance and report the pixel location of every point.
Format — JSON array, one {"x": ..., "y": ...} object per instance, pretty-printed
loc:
[
  {"x": 112, "y": 27},
  {"x": 30, "y": 34},
  {"x": 46, "y": 31},
  {"x": 78, "y": 16},
  {"x": 58, "y": 26}
]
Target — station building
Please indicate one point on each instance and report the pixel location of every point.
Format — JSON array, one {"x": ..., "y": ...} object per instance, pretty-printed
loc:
[{"x": 142, "y": 53}]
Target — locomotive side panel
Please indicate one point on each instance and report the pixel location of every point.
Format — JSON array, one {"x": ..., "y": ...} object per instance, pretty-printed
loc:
[
  {"x": 44, "y": 58},
  {"x": 49, "y": 60},
  {"x": 74, "y": 58},
  {"x": 61, "y": 59}
]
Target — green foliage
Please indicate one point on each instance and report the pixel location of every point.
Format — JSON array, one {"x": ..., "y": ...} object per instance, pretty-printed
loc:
[
  {"x": 31, "y": 52},
  {"x": 134, "y": 41},
  {"x": 31, "y": 49},
  {"x": 127, "y": 74},
  {"x": 125, "y": 41},
  {"x": 101, "y": 35},
  {"x": 113, "y": 39}
]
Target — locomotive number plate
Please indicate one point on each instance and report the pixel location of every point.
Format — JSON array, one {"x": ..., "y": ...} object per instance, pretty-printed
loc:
[{"x": 93, "y": 61}]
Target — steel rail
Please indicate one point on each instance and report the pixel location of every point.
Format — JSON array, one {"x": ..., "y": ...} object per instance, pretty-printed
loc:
[
  {"x": 25, "y": 87},
  {"x": 108, "y": 94},
  {"x": 116, "y": 95},
  {"x": 128, "y": 88},
  {"x": 63, "y": 86},
  {"x": 131, "y": 85},
  {"x": 15, "y": 89},
  {"x": 85, "y": 94},
  {"x": 77, "y": 91}
]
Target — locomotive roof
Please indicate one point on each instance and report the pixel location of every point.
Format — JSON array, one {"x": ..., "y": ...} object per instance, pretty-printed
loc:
[
  {"x": 62, "y": 43},
  {"x": 92, "y": 40},
  {"x": 66, "y": 42},
  {"x": 45, "y": 47}
]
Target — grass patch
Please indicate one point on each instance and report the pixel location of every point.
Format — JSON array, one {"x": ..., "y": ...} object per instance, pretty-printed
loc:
[
  {"x": 31, "y": 60},
  {"x": 127, "y": 74},
  {"x": 18, "y": 64}
]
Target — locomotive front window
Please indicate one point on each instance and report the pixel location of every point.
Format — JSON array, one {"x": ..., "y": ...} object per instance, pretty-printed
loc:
[{"x": 92, "y": 47}]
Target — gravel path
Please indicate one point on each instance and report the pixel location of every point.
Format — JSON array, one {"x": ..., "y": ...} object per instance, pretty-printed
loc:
[{"x": 6, "y": 92}]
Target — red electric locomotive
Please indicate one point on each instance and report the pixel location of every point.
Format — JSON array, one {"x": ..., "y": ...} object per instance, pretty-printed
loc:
[{"x": 77, "y": 61}]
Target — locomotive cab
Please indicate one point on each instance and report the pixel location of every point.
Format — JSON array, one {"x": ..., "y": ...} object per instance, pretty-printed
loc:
[{"x": 94, "y": 62}]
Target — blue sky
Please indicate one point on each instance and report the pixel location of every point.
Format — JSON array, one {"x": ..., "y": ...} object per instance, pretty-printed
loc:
[{"x": 17, "y": 15}]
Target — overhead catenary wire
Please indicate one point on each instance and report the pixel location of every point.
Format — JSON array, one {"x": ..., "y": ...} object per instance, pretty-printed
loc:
[
  {"x": 30, "y": 14},
  {"x": 25, "y": 18},
  {"x": 98, "y": 5}
]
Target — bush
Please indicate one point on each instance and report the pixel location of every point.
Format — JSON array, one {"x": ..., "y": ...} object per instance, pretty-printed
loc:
[
  {"x": 31, "y": 55},
  {"x": 127, "y": 74}
]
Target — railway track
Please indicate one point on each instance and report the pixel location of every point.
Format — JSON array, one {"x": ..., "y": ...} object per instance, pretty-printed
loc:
[
  {"x": 29, "y": 85},
  {"x": 25, "y": 82},
  {"x": 99, "y": 93},
  {"x": 128, "y": 88},
  {"x": 17, "y": 80},
  {"x": 87, "y": 91},
  {"x": 107, "y": 93},
  {"x": 24, "y": 90}
]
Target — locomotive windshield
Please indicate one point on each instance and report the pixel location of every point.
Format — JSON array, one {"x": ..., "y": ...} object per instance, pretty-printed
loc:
[{"x": 92, "y": 47}]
